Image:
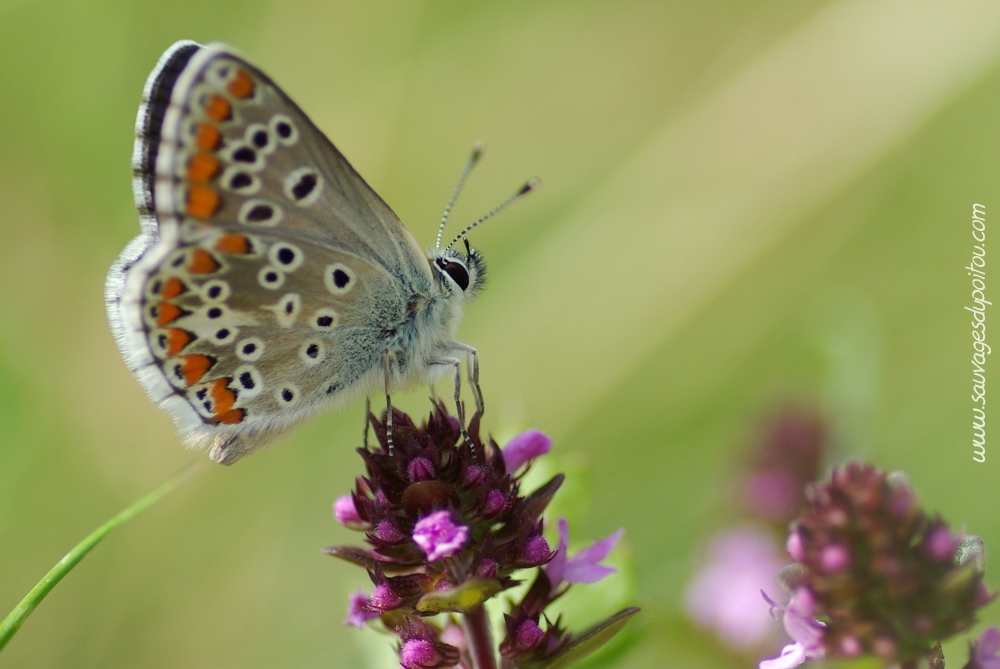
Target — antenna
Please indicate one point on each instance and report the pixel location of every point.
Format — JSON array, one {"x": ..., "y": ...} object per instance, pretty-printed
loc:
[
  {"x": 529, "y": 186},
  {"x": 477, "y": 151}
]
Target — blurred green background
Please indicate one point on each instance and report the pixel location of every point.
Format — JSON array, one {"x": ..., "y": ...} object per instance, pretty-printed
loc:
[{"x": 744, "y": 204}]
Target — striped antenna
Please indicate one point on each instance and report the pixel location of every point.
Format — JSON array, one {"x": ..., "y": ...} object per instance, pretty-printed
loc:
[
  {"x": 529, "y": 186},
  {"x": 477, "y": 151}
]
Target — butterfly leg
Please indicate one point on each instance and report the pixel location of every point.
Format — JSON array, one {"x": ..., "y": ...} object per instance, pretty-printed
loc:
[
  {"x": 388, "y": 405},
  {"x": 472, "y": 362},
  {"x": 456, "y": 366},
  {"x": 368, "y": 412}
]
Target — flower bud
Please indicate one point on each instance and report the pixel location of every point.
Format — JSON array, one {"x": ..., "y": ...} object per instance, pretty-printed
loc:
[
  {"x": 387, "y": 532},
  {"x": 420, "y": 469},
  {"x": 528, "y": 635},
  {"x": 496, "y": 501},
  {"x": 418, "y": 654},
  {"x": 487, "y": 568},
  {"x": 535, "y": 551},
  {"x": 385, "y": 598},
  {"x": 345, "y": 512},
  {"x": 471, "y": 475}
]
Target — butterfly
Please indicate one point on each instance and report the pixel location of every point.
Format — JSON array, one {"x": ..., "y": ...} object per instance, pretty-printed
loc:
[{"x": 269, "y": 281}]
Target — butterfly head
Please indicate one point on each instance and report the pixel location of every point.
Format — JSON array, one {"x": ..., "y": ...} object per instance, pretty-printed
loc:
[{"x": 460, "y": 275}]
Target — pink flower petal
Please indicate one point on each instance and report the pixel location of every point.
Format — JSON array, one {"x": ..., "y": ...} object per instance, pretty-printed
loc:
[
  {"x": 438, "y": 536},
  {"x": 725, "y": 595},
  {"x": 583, "y": 566},
  {"x": 523, "y": 448},
  {"x": 791, "y": 656}
]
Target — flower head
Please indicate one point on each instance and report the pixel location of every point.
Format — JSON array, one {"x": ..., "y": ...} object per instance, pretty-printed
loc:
[
  {"x": 447, "y": 526},
  {"x": 887, "y": 579},
  {"x": 787, "y": 457}
]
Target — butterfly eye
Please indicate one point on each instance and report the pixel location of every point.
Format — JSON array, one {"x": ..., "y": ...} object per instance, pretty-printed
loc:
[{"x": 458, "y": 274}]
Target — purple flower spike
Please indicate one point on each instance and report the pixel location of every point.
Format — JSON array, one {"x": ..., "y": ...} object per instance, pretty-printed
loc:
[
  {"x": 438, "y": 536},
  {"x": 850, "y": 539},
  {"x": 983, "y": 653},
  {"x": 358, "y": 611},
  {"x": 447, "y": 527},
  {"x": 524, "y": 448},
  {"x": 583, "y": 566},
  {"x": 345, "y": 512}
]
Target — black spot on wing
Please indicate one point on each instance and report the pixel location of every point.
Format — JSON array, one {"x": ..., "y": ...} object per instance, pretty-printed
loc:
[
  {"x": 245, "y": 155},
  {"x": 304, "y": 186},
  {"x": 262, "y": 212}
]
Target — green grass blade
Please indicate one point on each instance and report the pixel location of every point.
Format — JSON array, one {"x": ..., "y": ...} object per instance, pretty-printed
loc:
[{"x": 16, "y": 618}]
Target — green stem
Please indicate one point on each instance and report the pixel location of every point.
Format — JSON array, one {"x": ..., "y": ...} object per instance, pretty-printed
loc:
[
  {"x": 16, "y": 618},
  {"x": 477, "y": 635}
]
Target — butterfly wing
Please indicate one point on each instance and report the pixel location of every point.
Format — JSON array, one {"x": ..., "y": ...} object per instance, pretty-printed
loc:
[{"x": 267, "y": 271}]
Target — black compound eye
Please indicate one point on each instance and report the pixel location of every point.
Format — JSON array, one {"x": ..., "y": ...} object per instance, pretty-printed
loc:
[{"x": 458, "y": 273}]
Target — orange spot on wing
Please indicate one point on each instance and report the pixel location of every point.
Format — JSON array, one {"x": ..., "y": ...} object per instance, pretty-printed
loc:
[
  {"x": 172, "y": 287},
  {"x": 208, "y": 137},
  {"x": 223, "y": 398},
  {"x": 177, "y": 339},
  {"x": 231, "y": 417},
  {"x": 242, "y": 85},
  {"x": 218, "y": 108},
  {"x": 202, "y": 262},
  {"x": 233, "y": 243},
  {"x": 202, "y": 201},
  {"x": 167, "y": 313},
  {"x": 202, "y": 167},
  {"x": 193, "y": 367}
]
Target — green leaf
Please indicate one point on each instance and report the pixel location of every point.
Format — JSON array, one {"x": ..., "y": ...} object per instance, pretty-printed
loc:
[
  {"x": 459, "y": 599},
  {"x": 591, "y": 640},
  {"x": 20, "y": 613}
]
